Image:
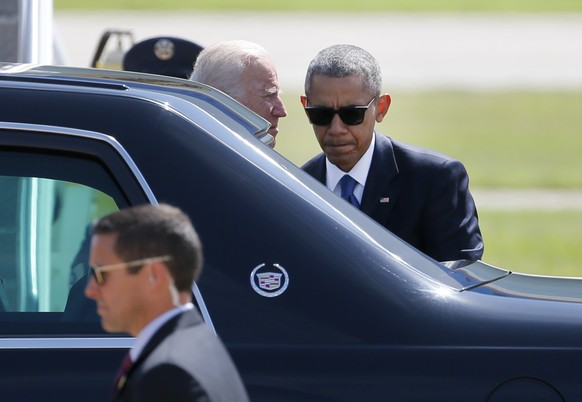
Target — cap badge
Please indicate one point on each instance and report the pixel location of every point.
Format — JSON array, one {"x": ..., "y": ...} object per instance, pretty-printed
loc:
[{"x": 164, "y": 49}]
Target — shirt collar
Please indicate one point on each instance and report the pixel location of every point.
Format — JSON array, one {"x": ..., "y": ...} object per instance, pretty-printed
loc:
[
  {"x": 146, "y": 334},
  {"x": 359, "y": 172}
]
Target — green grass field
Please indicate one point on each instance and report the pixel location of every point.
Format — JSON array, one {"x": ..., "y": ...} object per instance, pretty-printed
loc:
[
  {"x": 506, "y": 139},
  {"x": 533, "y": 135},
  {"x": 330, "y": 5},
  {"x": 537, "y": 242}
]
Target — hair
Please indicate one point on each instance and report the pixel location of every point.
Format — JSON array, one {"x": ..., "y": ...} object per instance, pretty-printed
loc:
[
  {"x": 342, "y": 60},
  {"x": 156, "y": 230},
  {"x": 222, "y": 65}
]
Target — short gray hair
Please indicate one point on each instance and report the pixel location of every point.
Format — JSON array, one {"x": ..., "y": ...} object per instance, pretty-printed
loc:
[
  {"x": 342, "y": 60},
  {"x": 222, "y": 64}
]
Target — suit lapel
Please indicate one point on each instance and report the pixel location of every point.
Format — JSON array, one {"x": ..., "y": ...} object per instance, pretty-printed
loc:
[
  {"x": 382, "y": 187},
  {"x": 381, "y": 190},
  {"x": 317, "y": 168},
  {"x": 185, "y": 319}
]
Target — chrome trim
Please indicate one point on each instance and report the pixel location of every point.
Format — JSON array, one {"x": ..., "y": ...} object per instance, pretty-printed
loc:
[
  {"x": 202, "y": 306},
  {"x": 59, "y": 130},
  {"x": 67, "y": 131},
  {"x": 67, "y": 343},
  {"x": 267, "y": 139}
]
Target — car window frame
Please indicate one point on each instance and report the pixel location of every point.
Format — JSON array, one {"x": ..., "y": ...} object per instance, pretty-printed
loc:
[{"x": 64, "y": 133}]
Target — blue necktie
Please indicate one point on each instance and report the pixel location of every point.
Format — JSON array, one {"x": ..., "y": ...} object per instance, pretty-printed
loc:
[{"x": 348, "y": 184}]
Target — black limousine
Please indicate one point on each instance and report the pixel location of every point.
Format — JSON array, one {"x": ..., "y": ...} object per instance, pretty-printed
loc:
[{"x": 314, "y": 300}]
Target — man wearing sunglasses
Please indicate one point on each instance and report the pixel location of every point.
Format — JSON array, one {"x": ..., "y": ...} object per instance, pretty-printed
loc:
[
  {"x": 144, "y": 261},
  {"x": 419, "y": 195}
]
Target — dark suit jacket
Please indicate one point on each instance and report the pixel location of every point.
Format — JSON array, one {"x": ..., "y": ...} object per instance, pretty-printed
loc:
[
  {"x": 428, "y": 200},
  {"x": 184, "y": 361}
]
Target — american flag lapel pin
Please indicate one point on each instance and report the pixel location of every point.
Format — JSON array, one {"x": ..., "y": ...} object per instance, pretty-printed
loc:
[{"x": 384, "y": 200}]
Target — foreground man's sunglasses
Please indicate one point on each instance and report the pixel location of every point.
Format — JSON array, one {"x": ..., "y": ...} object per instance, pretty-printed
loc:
[{"x": 98, "y": 273}]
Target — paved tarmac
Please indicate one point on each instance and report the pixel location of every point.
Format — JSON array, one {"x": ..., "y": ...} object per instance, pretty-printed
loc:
[{"x": 482, "y": 51}]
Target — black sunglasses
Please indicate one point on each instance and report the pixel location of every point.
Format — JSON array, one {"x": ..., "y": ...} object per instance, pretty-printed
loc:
[{"x": 350, "y": 115}]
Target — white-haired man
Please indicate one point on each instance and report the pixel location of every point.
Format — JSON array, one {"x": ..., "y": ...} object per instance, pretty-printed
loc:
[{"x": 245, "y": 71}]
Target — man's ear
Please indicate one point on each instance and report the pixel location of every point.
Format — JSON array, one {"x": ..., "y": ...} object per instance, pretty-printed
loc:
[
  {"x": 158, "y": 271},
  {"x": 303, "y": 100},
  {"x": 383, "y": 106}
]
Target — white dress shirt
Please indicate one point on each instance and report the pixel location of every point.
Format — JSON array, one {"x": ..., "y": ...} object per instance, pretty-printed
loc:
[{"x": 359, "y": 172}]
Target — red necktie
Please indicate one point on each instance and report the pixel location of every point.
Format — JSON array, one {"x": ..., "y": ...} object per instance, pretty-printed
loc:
[{"x": 121, "y": 377}]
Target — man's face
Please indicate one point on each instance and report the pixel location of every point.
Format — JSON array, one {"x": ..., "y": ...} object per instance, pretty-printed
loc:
[
  {"x": 261, "y": 93},
  {"x": 120, "y": 298},
  {"x": 343, "y": 144}
]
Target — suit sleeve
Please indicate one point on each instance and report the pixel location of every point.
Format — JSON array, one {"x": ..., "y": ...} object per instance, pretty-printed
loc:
[
  {"x": 452, "y": 231},
  {"x": 168, "y": 382}
]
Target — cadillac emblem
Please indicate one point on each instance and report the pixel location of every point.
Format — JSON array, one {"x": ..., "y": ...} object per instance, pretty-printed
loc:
[{"x": 269, "y": 281}]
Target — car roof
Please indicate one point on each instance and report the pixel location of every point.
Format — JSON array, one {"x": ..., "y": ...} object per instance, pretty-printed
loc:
[{"x": 202, "y": 95}]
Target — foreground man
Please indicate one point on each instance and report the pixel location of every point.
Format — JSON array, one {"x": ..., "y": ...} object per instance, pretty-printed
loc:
[
  {"x": 144, "y": 261},
  {"x": 419, "y": 195}
]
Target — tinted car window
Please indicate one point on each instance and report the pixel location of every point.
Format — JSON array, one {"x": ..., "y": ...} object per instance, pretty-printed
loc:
[{"x": 48, "y": 203}]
